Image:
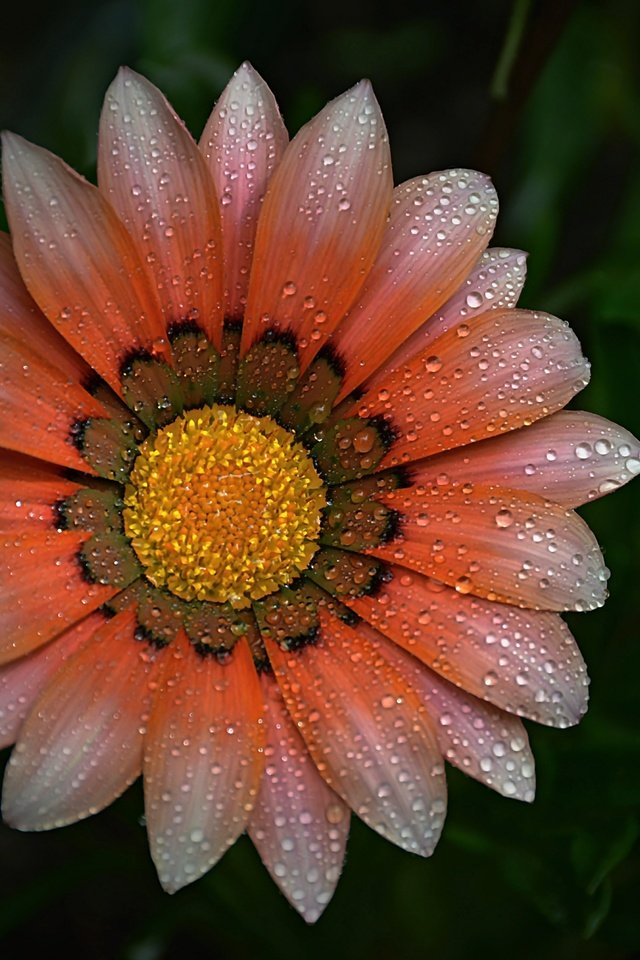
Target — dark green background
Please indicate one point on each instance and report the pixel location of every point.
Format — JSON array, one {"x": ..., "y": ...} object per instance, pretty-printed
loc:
[{"x": 559, "y": 132}]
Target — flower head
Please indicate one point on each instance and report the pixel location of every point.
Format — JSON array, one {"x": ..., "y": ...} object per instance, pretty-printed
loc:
[{"x": 287, "y": 493}]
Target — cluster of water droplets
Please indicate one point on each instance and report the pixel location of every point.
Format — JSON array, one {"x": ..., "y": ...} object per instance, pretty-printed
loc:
[
  {"x": 157, "y": 181},
  {"x": 522, "y": 661}
]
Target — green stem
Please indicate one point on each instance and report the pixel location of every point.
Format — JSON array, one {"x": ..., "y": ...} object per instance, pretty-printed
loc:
[{"x": 512, "y": 41}]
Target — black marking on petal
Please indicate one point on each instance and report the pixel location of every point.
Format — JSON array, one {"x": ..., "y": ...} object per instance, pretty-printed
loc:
[
  {"x": 85, "y": 567},
  {"x": 60, "y": 521},
  {"x": 107, "y": 611},
  {"x": 393, "y": 526},
  {"x": 385, "y": 429},
  {"x": 274, "y": 335},
  {"x": 350, "y": 617},
  {"x": 301, "y": 640},
  {"x": 233, "y": 323},
  {"x": 128, "y": 362},
  {"x": 144, "y": 635},
  {"x": 405, "y": 476},
  {"x": 335, "y": 359},
  {"x": 263, "y": 666},
  {"x": 92, "y": 382},
  {"x": 203, "y": 650},
  {"x": 180, "y": 328},
  {"x": 77, "y": 433},
  {"x": 382, "y": 575}
]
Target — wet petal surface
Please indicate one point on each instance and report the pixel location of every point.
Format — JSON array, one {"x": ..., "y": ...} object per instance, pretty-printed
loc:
[
  {"x": 202, "y": 764},
  {"x": 154, "y": 176},
  {"x": 81, "y": 745},
  {"x": 367, "y": 732},
  {"x": 243, "y": 143},
  {"x": 321, "y": 223},
  {"x": 299, "y": 825},
  {"x": 523, "y": 661},
  {"x": 437, "y": 228}
]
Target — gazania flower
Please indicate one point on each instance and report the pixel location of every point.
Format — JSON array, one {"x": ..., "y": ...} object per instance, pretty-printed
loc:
[{"x": 287, "y": 493}]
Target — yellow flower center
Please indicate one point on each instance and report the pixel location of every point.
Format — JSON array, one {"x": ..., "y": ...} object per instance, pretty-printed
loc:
[{"x": 223, "y": 506}]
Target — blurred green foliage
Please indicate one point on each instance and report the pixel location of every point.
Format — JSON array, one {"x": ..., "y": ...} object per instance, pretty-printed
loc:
[{"x": 558, "y": 879}]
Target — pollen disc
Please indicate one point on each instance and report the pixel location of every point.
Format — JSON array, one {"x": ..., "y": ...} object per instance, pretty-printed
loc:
[{"x": 223, "y": 506}]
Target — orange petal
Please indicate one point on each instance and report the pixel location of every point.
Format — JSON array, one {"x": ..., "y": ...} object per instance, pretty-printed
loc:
[
  {"x": 39, "y": 406},
  {"x": 81, "y": 745},
  {"x": 153, "y": 174},
  {"x": 22, "y": 680},
  {"x": 486, "y": 743},
  {"x": 503, "y": 371},
  {"x": 522, "y": 661},
  {"x": 42, "y": 588},
  {"x": 500, "y": 544},
  {"x": 202, "y": 760},
  {"x": 77, "y": 260},
  {"x": 570, "y": 457},
  {"x": 243, "y": 142},
  {"x": 367, "y": 732},
  {"x": 299, "y": 825},
  {"x": 29, "y": 491},
  {"x": 321, "y": 223},
  {"x": 494, "y": 283},
  {"x": 20, "y": 317},
  {"x": 438, "y": 227}
]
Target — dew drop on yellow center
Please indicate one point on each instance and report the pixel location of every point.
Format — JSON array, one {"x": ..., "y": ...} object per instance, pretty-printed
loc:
[{"x": 223, "y": 506}]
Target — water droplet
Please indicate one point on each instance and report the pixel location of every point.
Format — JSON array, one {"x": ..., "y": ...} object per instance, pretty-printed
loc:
[
  {"x": 504, "y": 518},
  {"x": 474, "y": 300},
  {"x": 583, "y": 451}
]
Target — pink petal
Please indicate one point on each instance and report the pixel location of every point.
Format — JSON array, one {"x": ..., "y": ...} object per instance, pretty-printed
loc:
[
  {"x": 570, "y": 457},
  {"x": 81, "y": 745},
  {"x": 29, "y": 492},
  {"x": 202, "y": 761},
  {"x": 503, "y": 371},
  {"x": 45, "y": 402},
  {"x": 367, "y": 732},
  {"x": 153, "y": 174},
  {"x": 439, "y": 226},
  {"x": 500, "y": 544},
  {"x": 321, "y": 223},
  {"x": 22, "y": 681},
  {"x": 243, "y": 142},
  {"x": 299, "y": 826},
  {"x": 21, "y": 318},
  {"x": 77, "y": 260},
  {"x": 486, "y": 743},
  {"x": 522, "y": 661},
  {"x": 42, "y": 589},
  {"x": 494, "y": 283}
]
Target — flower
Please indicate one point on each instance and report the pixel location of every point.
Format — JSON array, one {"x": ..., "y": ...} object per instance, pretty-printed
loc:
[{"x": 287, "y": 491}]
